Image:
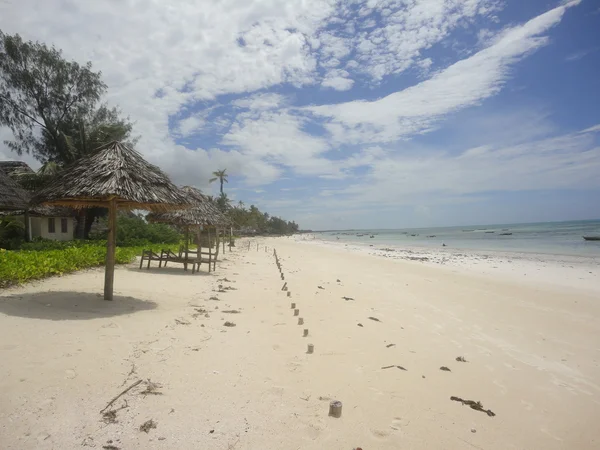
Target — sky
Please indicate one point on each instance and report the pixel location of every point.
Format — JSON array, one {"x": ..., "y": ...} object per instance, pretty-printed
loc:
[{"x": 352, "y": 114}]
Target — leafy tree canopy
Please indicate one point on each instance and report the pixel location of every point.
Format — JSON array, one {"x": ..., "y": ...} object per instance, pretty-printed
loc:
[{"x": 52, "y": 105}]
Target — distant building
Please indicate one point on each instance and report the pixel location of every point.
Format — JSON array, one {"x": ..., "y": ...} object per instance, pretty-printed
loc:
[{"x": 47, "y": 222}]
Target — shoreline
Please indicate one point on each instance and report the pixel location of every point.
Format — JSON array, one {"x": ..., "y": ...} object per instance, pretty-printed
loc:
[{"x": 566, "y": 271}]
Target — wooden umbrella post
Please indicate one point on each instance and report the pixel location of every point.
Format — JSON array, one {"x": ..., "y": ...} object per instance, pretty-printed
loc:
[
  {"x": 109, "y": 272},
  {"x": 187, "y": 248}
]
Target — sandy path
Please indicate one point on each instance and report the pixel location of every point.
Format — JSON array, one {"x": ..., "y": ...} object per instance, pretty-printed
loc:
[{"x": 532, "y": 350}]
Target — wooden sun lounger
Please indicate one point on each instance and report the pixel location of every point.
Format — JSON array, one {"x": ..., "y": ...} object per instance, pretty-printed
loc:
[
  {"x": 190, "y": 258},
  {"x": 205, "y": 257}
]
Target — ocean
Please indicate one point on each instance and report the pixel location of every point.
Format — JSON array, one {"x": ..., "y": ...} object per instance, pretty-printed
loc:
[{"x": 556, "y": 238}]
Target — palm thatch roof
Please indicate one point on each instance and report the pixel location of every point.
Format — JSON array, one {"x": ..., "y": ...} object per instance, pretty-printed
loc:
[
  {"x": 12, "y": 196},
  {"x": 113, "y": 171},
  {"x": 10, "y": 167},
  {"x": 203, "y": 212}
]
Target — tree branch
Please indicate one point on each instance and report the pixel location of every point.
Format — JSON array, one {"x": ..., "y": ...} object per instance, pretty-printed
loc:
[{"x": 20, "y": 111}]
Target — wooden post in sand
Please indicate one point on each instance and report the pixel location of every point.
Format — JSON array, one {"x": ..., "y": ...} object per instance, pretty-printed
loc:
[
  {"x": 293, "y": 306},
  {"x": 111, "y": 245},
  {"x": 289, "y": 293},
  {"x": 305, "y": 332},
  {"x": 300, "y": 321},
  {"x": 311, "y": 349},
  {"x": 335, "y": 409},
  {"x": 296, "y": 312}
]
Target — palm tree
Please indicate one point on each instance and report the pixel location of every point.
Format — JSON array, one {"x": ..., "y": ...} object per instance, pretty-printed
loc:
[
  {"x": 221, "y": 176},
  {"x": 241, "y": 204}
]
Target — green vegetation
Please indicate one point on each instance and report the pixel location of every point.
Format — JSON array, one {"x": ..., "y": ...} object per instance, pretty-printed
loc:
[
  {"x": 133, "y": 230},
  {"x": 55, "y": 111},
  {"x": 26, "y": 265},
  {"x": 261, "y": 223},
  {"x": 11, "y": 232},
  {"x": 43, "y": 258}
]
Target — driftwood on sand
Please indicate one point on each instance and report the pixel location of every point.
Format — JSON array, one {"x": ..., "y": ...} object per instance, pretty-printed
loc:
[{"x": 121, "y": 394}]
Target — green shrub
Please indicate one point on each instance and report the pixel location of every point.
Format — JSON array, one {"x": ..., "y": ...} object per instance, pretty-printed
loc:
[
  {"x": 25, "y": 265},
  {"x": 134, "y": 231},
  {"x": 12, "y": 232}
]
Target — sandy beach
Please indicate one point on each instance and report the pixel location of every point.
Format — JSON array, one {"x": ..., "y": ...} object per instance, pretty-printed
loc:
[{"x": 382, "y": 327}]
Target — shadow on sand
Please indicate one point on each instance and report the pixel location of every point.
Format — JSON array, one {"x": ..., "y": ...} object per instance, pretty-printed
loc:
[
  {"x": 172, "y": 270},
  {"x": 69, "y": 305}
]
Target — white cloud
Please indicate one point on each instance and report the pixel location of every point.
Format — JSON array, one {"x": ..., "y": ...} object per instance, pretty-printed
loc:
[
  {"x": 432, "y": 176},
  {"x": 463, "y": 84},
  {"x": 261, "y": 101},
  {"x": 337, "y": 79},
  {"x": 266, "y": 54},
  {"x": 191, "y": 125}
]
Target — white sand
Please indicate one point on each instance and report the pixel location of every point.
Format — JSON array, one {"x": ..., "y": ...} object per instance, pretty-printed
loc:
[{"x": 532, "y": 349}]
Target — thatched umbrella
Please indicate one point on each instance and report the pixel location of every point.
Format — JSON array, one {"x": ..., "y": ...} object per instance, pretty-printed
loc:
[
  {"x": 202, "y": 213},
  {"x": 12, "y": 196},
  {"x": 112, "y": 176}
]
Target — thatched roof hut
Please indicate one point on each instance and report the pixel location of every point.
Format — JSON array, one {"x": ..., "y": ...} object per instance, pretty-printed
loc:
[
  {"x": 12, "y": 196},
  {"x": 112, "y": 176},
  {"x": 113, "y": 171},
  {"x": 11, "y": 167},
  {"x": 202, "y": 212}
]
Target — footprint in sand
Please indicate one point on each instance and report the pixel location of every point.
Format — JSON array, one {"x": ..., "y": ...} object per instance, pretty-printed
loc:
[
  {"x": 528, "y": 406},
  {"x": 378, "y": 433},
  {"x": 70, "y": 374},
  {"x": 399, "y": 423}
]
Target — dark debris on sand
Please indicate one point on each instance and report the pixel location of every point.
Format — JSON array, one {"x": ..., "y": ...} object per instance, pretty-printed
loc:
[
  {"x": 147, "y": 426},
  {"x": 152, "y": 388},
  {"x": 477, "y": 406},
  {"x": 445, "y": 369},
  {"x": 461, "y": 359},
  {"x": 375, "y": 319},
  {"x": 394, "y": 365}
]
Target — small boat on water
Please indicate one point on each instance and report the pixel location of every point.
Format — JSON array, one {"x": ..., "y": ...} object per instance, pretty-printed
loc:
[
  {"x": 592, "y": 238},
  {"x": 433, "y": 235},
  {"x": 505, "y": 234},
  {"x": 490, "y": 231},
  {"x": 371, "y": 236}
]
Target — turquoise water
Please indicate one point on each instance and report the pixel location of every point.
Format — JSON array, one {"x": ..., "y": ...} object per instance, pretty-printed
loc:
[{"x": 559, "y": 238}]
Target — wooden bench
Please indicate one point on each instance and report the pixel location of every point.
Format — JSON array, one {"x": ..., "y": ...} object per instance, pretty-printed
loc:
[
  {"x": 185, "y": 258},
  {"x": 205, "y": 257}
]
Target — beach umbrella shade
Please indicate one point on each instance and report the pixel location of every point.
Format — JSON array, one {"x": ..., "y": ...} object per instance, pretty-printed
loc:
[
  {"x": 202, "y": 213},
  {"x": 113, "y": 176},
  {"x": 12, "y": 196}
]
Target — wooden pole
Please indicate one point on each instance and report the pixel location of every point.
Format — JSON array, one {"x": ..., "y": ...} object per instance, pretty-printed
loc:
[
  {"x": 187, "y": 240},
  {"x": 200, "y": 230},
  {"x": 335, "y": 409},
  {"x": 27, "y": 226},
  {"x": 109, "y": 271}
]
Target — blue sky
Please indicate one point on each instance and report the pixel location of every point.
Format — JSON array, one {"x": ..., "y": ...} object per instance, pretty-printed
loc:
[{"x": 354, "y": 114}]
